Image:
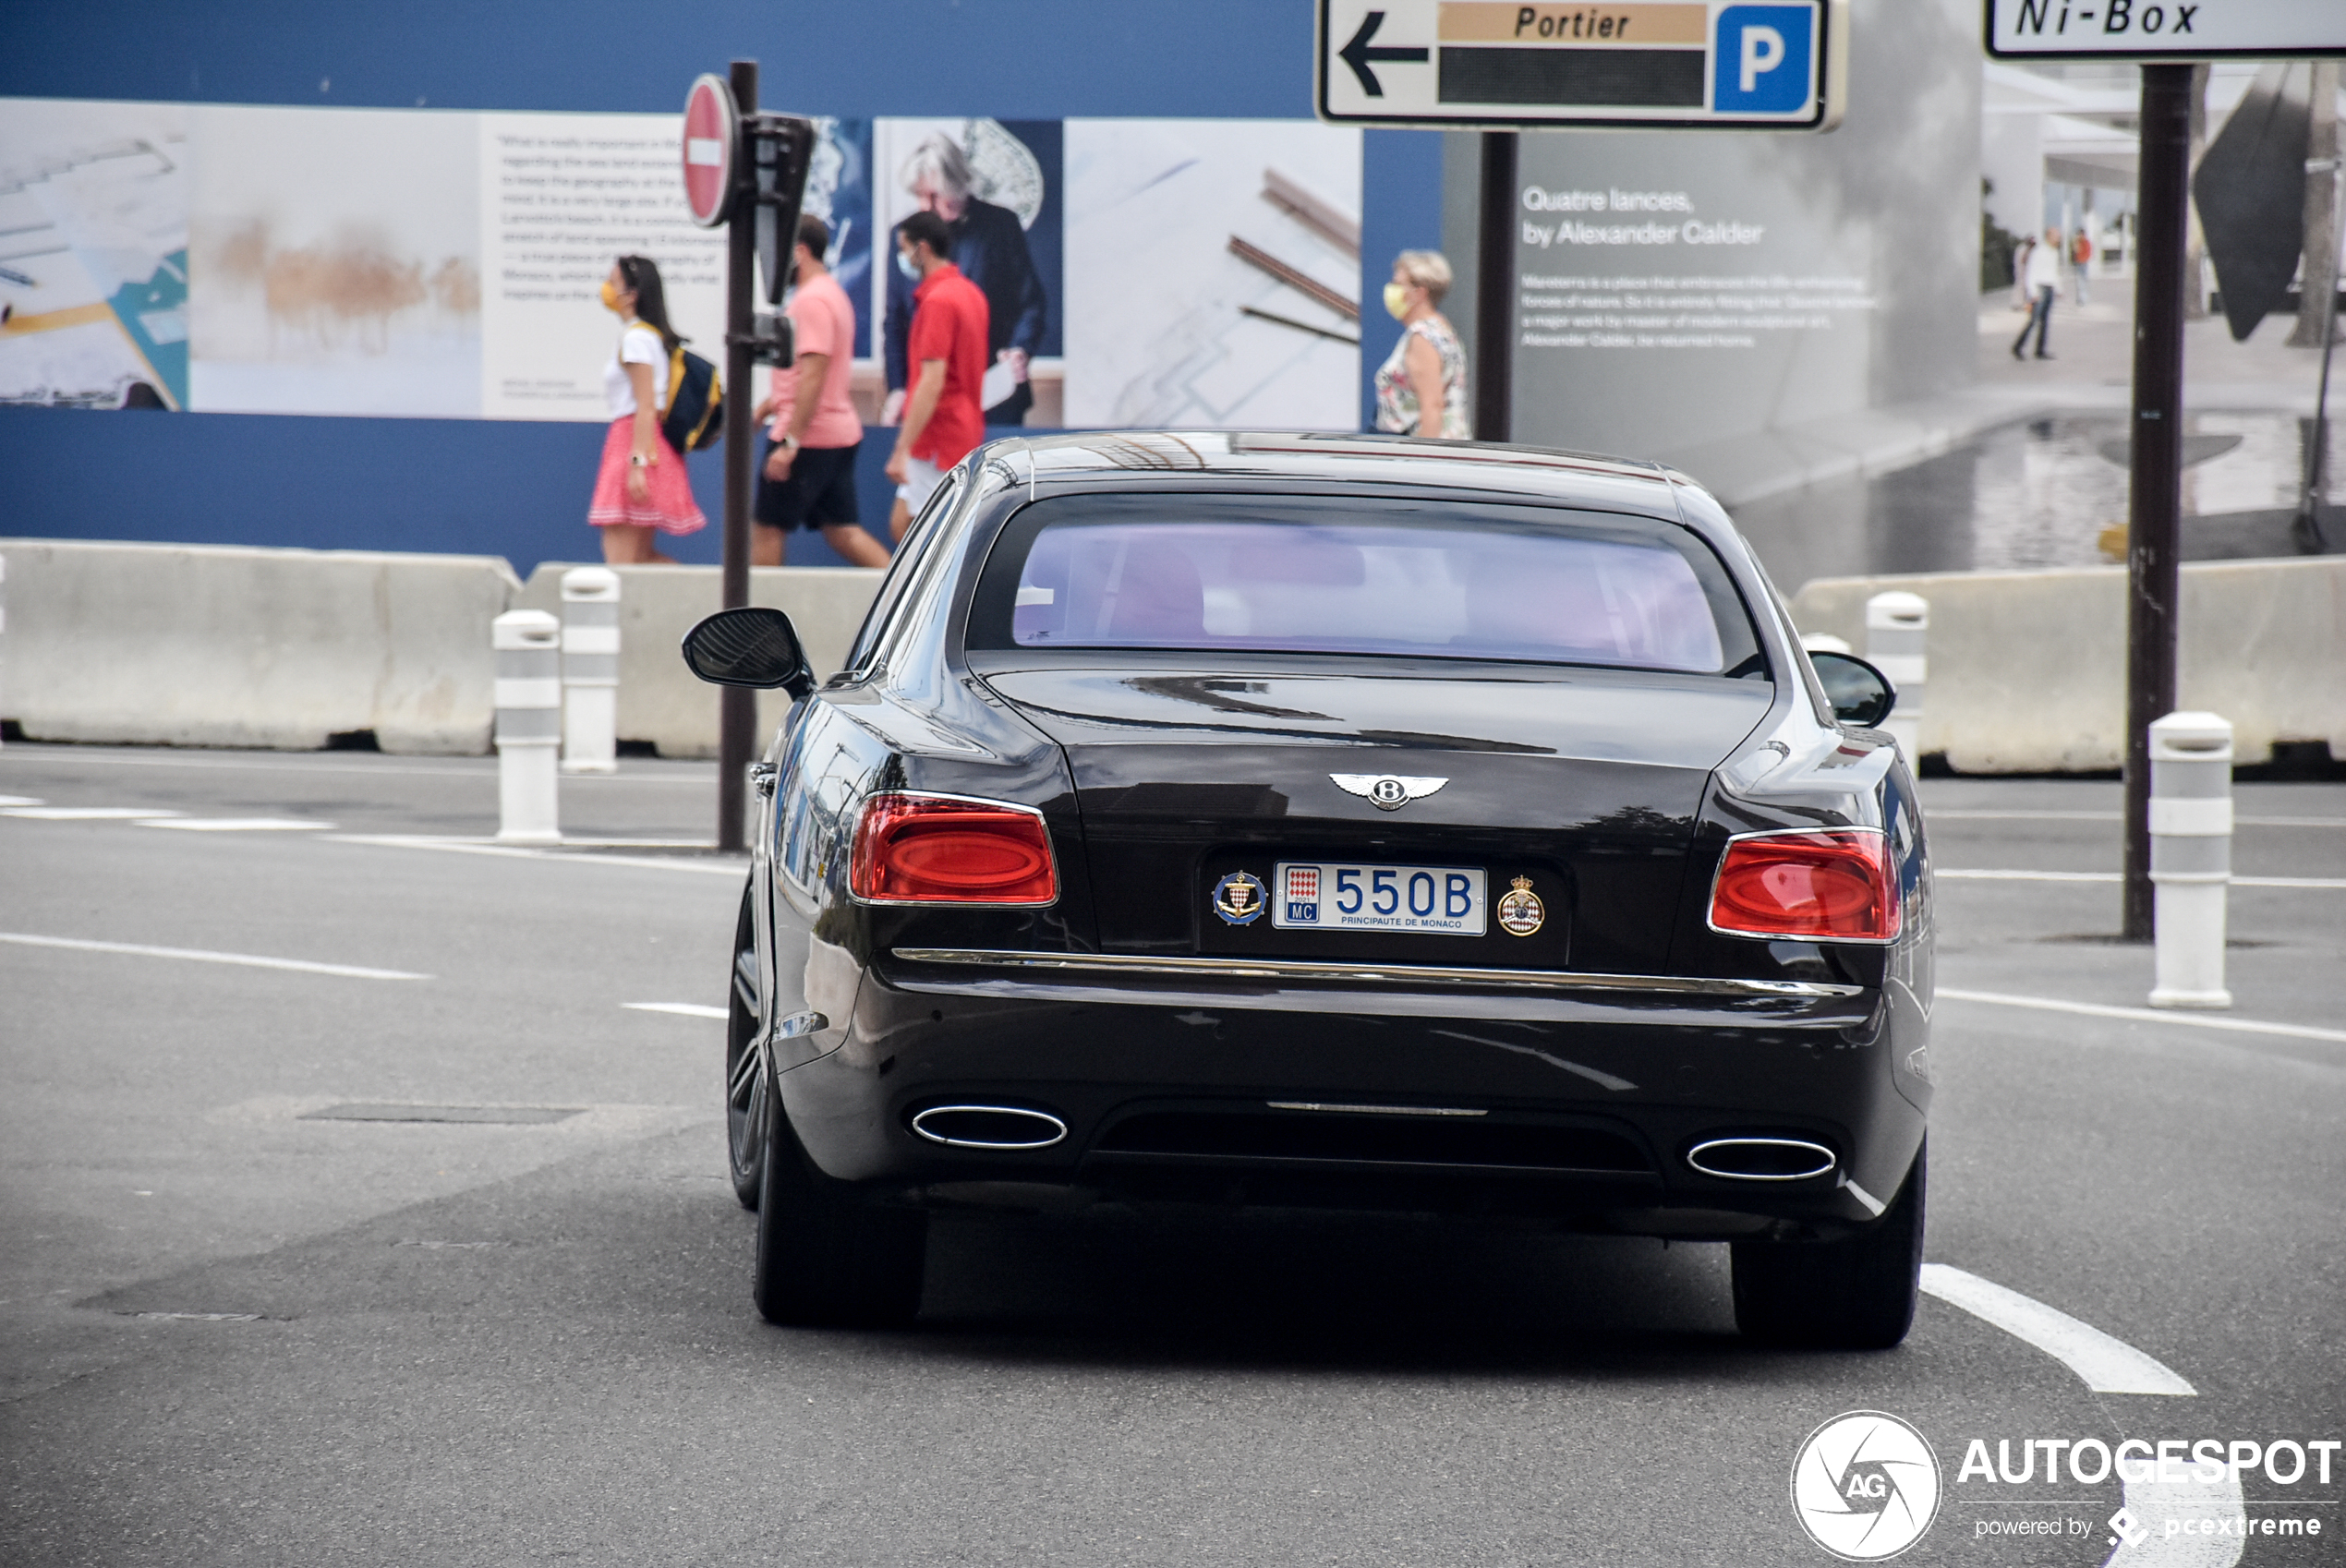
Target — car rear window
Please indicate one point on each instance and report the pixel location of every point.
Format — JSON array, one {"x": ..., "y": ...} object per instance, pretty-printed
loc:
[{"x": 1345, "y": 576}]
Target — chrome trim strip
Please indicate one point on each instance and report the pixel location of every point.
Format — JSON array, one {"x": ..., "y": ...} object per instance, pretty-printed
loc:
[
  {"x": 1374, "y": 1110},
  {"x": 1389, "y": 974}
]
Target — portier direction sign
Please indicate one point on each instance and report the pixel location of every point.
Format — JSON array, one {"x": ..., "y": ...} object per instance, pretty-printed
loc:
[
  {"x": 2165, "y": 30},
  {"x": 1740, "y": 65}
]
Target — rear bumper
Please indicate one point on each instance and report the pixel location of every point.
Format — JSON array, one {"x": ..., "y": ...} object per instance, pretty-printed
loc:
[{"x": 1573, "y": 1098}]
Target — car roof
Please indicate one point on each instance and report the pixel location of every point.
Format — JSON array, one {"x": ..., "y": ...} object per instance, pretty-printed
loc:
[{"x": 1312, "y": 458}]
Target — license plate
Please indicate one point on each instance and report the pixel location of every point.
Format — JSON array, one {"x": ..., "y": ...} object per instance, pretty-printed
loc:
[{"x": 1341, "y": 896}]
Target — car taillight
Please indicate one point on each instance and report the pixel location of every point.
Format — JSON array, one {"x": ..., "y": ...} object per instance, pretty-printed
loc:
[
  {"x": 936, "y": 849},
  {"x": 1829, "y": 886}
]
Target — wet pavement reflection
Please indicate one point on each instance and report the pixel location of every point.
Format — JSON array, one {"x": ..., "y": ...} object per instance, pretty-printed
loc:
[{"x": 2047, "y": 493}]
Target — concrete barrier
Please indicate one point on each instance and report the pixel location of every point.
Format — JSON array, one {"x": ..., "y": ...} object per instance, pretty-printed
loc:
[
  {"x": 658, "y": 699},
  {"x": 2028, "y": 669},
  {"x": 222, "y": 645}
]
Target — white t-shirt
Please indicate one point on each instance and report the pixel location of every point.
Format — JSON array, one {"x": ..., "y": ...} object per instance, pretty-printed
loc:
[
  {"x": 2044, "y": 268},
  {"x": 638, "y": 345}
]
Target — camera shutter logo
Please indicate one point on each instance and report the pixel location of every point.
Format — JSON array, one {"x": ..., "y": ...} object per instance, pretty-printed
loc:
[{"x": 1865, "y": 1486}]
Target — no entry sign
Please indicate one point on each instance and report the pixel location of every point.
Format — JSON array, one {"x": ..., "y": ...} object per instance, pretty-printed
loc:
[
  {"x": 712, "y": 130},
  {"x": 1657, "y": 64}
]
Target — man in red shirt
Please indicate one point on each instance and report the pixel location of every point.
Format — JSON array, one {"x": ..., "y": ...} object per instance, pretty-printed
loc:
[{"x": 943, "y": 418}]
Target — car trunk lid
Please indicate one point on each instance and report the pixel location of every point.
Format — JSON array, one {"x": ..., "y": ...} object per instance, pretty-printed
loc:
[{"x": 1584, "y": 783}]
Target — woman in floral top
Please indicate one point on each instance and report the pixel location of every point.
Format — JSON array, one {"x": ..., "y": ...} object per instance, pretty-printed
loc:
[{"x": 1421, "y": 388}]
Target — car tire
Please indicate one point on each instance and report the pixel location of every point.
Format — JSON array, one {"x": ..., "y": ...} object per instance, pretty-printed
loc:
[
  {"x": 747, "y": 1103},
  {"x": 826, "y": 1256},
  {"x": 1857, "y": 1294}
]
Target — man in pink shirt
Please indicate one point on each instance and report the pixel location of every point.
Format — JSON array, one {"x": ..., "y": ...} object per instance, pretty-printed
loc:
[{"x": 809, "y": 479}]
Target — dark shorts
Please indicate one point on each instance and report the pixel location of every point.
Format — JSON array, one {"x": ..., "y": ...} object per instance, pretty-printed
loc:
[{"x": 819, "y": 492}]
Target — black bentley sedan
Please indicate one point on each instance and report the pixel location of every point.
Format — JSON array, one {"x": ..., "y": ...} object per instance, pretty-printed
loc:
[{"x": 1296, "y": 821}]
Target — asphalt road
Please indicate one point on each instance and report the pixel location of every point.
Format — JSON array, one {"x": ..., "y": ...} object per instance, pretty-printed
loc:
[{"x": 232, "y": 1331}]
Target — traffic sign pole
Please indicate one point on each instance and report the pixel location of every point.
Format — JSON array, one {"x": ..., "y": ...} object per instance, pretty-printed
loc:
[
  {"x": 746, "y": 170},
  {"x": 2167, "y": 40},
  {"x": 1494, "y": 292},
  {"x": 2154, "y": 507},
  {"x": 737, "y": 709}
]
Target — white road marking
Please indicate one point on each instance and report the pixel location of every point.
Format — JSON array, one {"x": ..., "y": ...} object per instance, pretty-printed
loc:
[
  {"x": 1949, "y": 814},
  {"x": 85, "y": 814},
  {"x": 683, "y": 1009},
  {"x": 1969, "y": 875},
  {"x": 2154, "y": 1505},
  {"x": 395, "y": 841},
  {"x": 201, "y": 954},
  {"x": 20, "y": 799},
  {"x": 486, "y": 771},
  {"x": 2146, "y": 1015},
  {"x": 1952, "y": 813},
  {"x": 2108, "y": 1366},
  {"x": 1950, "y": 874},
  {"x": 234, "y": 824}
]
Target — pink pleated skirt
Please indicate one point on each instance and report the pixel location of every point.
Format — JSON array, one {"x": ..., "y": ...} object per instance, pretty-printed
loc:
[{"x": 669, "y": 508}]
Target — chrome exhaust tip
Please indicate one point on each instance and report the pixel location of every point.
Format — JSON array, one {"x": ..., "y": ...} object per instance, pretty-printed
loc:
[
  {"x": 1762, "y": 1159},
  {"x": 989, "y": 1127}
]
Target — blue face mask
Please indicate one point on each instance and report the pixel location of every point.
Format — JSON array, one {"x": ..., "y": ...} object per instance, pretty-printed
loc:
[{"x": 904, "y": 265}]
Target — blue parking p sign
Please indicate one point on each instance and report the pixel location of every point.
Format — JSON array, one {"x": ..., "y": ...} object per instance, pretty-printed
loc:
[{"x": 1762, "y": 58}]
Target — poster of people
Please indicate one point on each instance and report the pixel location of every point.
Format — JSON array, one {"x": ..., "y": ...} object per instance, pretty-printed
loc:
[{"x": 428, "y": 262}]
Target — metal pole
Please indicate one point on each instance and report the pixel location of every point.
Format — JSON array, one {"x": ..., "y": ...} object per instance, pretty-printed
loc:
[
  {"x": 737, "y": 705},
  {"x": 1494, "y": 293},
  {"x": 2308, "y": 522},
  {"x": 2154, "y": 511}
]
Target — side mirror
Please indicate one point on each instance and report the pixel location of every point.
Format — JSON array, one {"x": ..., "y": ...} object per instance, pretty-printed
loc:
[
  {"x": 1859, "y": 693},
  {"x": 750, "y": 647}
]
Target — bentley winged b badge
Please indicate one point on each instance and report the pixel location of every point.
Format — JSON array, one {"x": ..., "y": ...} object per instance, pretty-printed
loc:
[{"x": 1387, "y": 791}]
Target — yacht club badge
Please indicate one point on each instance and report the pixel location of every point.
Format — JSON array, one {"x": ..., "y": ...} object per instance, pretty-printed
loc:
[
  {"x": 1521, "y": 912},
  {"x": 1239, "y": 898}
]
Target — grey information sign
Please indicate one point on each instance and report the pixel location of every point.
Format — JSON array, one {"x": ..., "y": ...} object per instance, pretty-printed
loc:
[
  {"x": 2165, "y": 30},
  {"x": 1652, "y": 65}
]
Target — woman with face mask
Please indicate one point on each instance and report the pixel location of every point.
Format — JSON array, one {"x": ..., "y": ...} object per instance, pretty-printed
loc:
[
  {"x": 641, "y": 492},
  {"x": 1421, "y": 388}
]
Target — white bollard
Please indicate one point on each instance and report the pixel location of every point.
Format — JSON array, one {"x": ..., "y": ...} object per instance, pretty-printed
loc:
[
  {"x": 527, "y": 643},
  {"x": 590, "y": 671},
  {"x": 1824, "y": 642},
  {"x": 2191, "y": 856},
  {"x": 1897, "y": 630}
]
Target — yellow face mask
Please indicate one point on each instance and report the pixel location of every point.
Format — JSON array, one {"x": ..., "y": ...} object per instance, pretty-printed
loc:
[
  {"x": 1396, "y": 300},
  {"x": 611, "y": 297}
]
